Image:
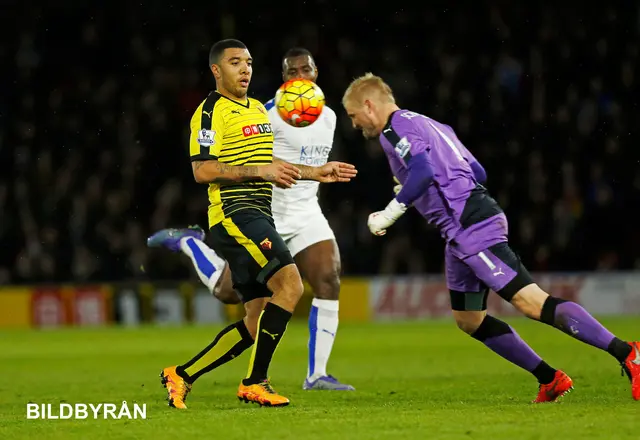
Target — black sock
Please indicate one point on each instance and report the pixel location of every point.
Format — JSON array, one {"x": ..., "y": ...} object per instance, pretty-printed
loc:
[
  {"x": 548, "y": 312},
  {"x": 272, "y": 325},
  {"x": 544, "y": 373},
  {"x": 619, "y": 349},
  {"x": 227, "y": 345}
]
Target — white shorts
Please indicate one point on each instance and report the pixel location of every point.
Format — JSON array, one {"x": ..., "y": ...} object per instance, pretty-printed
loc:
[{"x": 301, "y": 230}]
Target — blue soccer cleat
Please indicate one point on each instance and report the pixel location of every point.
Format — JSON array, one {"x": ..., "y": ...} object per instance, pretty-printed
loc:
[
  {"x": 170, "y": 238},
  {"x": 326, "y": 383}
]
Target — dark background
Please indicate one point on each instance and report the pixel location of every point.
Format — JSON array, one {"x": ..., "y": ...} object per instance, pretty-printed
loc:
[{"x": 95, "y": 99}]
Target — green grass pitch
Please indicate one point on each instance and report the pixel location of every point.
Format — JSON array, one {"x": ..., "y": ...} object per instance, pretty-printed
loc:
[{"x": 413, "y": 380}]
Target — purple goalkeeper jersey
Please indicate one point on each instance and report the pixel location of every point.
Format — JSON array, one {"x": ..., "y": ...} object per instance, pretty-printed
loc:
[{"x": 454, "y": 202}]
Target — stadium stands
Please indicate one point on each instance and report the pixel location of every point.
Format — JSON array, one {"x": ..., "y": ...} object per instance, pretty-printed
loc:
[{"x": 95, "y": 120}]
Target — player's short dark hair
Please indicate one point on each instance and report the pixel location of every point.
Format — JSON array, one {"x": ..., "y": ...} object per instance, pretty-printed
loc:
[
  {"x": 296, "y": 52},
  {"x": 218, "y": 49}
]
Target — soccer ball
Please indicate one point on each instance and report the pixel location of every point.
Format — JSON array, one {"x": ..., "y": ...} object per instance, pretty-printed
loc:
[{"x": 299, "y": 102}]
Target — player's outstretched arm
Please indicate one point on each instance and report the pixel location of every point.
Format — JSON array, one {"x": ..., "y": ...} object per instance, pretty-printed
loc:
[
  {"x": 283, "y": 175},
  {"x": 329, "y": 173},
  {"x": 418, "y": 180}
]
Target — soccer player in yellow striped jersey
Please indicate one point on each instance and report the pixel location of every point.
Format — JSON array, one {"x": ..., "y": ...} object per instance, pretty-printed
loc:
[
  {"x": 231, "y": 149},
  {"x": 301, "y": 223},
  {"x": 238, "y": 134}
]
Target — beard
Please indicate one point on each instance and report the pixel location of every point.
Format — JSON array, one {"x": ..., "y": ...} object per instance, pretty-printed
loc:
[
  {"x": 235, "y": 89},
  {"x": 369, "y": 133},
  {"x": 239, "y": 92}
]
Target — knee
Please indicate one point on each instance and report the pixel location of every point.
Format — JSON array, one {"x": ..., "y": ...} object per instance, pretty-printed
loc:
[
  {"x": 224, "y": 290},
  {"x": 469, "y": 322},
  {"x": 530, "y": 300},
  {"x": 288, "y": 295},
  {"x": 293, "y": 289},
  {"x": 326, "y": 285},
  {"x": 286, "y": 286}
]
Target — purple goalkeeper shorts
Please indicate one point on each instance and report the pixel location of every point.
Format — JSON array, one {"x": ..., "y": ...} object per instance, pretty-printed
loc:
[{"x": 497, "y": 268}]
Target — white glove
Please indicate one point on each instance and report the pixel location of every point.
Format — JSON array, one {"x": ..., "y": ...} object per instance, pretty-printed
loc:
[
  {"x": 381, "y": 220},
  {"x": 398, "y": 187}
]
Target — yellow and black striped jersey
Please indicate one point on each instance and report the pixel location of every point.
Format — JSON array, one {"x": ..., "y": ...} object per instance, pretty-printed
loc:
[{"x": 233, "y": 133}]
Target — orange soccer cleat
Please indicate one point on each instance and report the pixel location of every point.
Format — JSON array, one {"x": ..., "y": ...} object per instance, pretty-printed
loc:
[
  {"x": 631, "y": 366},
  {"x": 177, "y": 387},
  {"x": 558, "y": 387},
  {"x": 261, "y": 393}
]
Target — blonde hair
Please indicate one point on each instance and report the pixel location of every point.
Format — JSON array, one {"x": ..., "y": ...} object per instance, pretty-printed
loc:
[{"x": 368, "y": 85}]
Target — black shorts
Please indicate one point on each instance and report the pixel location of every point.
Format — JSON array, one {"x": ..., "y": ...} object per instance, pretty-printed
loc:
[{"x": 254, "y": 250}]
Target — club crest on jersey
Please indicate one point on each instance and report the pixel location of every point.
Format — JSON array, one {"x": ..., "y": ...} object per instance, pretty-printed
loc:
[
  {"x": 254, "y": 129},
  {"x": 206, "y": 138},
  {"x": 265, "y": 244},
  {"x": 402, "y": 147}
]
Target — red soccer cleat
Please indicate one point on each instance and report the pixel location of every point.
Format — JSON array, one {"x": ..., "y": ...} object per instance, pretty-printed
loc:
[
  {"x": 558, "y": 387},
  {"x": 631, "y": 366}
]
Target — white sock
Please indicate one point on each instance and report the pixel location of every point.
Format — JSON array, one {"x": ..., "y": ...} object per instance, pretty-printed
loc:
[
  {"x": 207, "y": 263},
  {"x": 323, "y": 325}
]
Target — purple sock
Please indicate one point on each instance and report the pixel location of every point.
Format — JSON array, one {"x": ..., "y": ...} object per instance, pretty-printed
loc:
[
  {"x": 575, "y": 321},
  {"x": 503, "y": 340},
  {"x": 511, "y": 347}
]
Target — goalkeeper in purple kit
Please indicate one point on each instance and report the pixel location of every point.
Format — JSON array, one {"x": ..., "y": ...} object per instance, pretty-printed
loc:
[{"x": 443, "y": 181}]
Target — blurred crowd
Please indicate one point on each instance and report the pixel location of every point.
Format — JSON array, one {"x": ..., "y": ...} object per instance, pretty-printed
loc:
[{"x": 95, "y": 103}]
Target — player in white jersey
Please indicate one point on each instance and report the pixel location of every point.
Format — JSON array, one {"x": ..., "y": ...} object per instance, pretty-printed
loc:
[{"x": 300, "y": 222}]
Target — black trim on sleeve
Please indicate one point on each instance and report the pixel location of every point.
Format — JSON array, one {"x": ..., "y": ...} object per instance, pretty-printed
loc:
[{"x": 394, "y": 139}]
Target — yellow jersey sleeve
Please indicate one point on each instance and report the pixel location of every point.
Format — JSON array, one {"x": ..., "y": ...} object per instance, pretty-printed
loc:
[{"x": 207, "y": 131}]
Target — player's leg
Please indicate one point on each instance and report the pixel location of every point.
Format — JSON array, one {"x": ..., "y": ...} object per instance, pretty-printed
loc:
[
  {"x": 286, "y": 287},
  {"x": 469, "y": 305},
  {"x": 211, "y": 269},
  {"x": 253, "y": 309},
  {"x": 208, "y": 265},
  {"x": 319, "y": 264},
  {"x": 227, "y": 345},
  {"x": 272, "y": 273},
  {"x": 572, "y": 319},
  {"x": 224, "y": 290},
  {"x": 230, "y": 343},
  {"x": 512, "y": 281}
]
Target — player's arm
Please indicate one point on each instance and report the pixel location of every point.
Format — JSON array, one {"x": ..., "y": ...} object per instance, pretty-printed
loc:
[
  {"x": 420, "y": 176},
  {"x": 306, "y": 172},
  {"x": 327, "y": 173},
  {"x": 212, "y": 171},
  {"x": 478, "y": 172}
]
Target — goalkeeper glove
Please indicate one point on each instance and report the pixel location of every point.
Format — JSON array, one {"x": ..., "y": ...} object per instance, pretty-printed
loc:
[{"x": 381, "y": 220}]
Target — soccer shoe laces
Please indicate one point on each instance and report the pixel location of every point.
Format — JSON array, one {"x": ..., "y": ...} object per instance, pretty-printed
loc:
[{"x": 266, "y": 385}]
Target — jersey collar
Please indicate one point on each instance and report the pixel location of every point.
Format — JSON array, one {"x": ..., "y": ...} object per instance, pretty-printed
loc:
[
  {"x": 233, "y": 100},
  {"x": 388, "y": 124}
]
